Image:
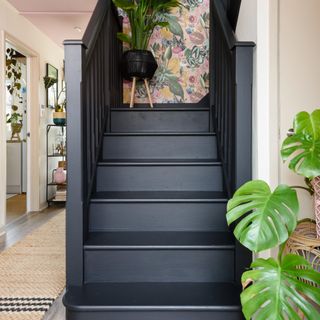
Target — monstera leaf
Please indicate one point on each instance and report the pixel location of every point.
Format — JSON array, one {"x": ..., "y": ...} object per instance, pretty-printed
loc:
[
  {"x": 276, "y": 290},
  {"x": 303, "y": 147},
  {"x": 267, "y": 218}
]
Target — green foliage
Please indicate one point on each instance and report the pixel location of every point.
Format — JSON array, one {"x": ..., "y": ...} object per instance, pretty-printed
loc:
[
  {"x": 144, "y": 16},
  {"x": 13, "y": 73},
  {"x": 277, "y": 289},
  {"x": 48, "y": 83},
  {"x": 267, "y": 218},
  {"x": 303, "y": 146},
  {"x": 14, "y": 117}
]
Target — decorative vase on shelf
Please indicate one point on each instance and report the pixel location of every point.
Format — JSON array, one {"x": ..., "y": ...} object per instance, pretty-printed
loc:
[
  {"x": 59, "y": 176},
  {"x": 59, "y": 118}
]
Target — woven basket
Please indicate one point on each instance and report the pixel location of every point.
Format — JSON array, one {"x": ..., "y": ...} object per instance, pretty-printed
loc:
[
  {"x": 304, "y": 242},
  {"x": 316, "y": 188}
]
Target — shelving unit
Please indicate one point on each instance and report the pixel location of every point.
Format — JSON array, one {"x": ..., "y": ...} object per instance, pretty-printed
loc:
[{"x": 53, "y": 159}]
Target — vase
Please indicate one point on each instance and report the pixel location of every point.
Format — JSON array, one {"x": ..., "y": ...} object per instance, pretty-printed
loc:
[
  {"x": 316, "y": 197},
  {"x": 139, "y": 64},
  {"x": 59, "y": 118},
  {"x": 59, "y": 176}
]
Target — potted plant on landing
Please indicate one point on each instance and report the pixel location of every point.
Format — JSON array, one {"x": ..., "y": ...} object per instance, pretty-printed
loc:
[
  {"x": 15, "y": 119},
  {"x": 286, "y": 287},
  {"x": 144, "y": 16},
  {"x": 59, "y": 114}
]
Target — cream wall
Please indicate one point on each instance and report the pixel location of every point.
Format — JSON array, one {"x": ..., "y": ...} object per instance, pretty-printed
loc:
[
  {"x": 286, "y": 79},
  {"x": 45, "y": 51},
  {"x": 299, "y": 85}
]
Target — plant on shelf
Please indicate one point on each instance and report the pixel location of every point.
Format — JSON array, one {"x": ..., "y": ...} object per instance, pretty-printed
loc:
[
  {"x": 285, "y": 287},
  {"x": 15, "y": 119},
  {"x": 59, "y": 115},
  {"x": 144, "y": 16}
]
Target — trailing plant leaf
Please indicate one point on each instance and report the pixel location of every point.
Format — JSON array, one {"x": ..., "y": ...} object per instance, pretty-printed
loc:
[
  {"x": 303, "y": 147},
  {"x": 275, "y": 290},
  {"x": 267, "y": 218}
]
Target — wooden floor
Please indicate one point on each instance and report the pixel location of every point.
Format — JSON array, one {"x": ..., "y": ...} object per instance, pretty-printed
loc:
[
  {"x": 16, "y": 207},
  {"x": 17, "y": 230}
]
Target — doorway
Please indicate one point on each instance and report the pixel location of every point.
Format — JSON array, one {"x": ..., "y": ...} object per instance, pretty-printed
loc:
[
  {"x": 19, "y": 120},
  {"x": 16, "y": 77}
]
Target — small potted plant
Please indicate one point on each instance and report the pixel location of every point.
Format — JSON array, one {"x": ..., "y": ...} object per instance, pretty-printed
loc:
[
  {"x": 286, "y": 287},
  {"x": 59, "y": 114},
  {"x": 144, "y": 15},
  {"x": 15, "y": 119}
]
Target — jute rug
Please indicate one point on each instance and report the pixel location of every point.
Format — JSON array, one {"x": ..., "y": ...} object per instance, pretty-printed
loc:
[{"x": 32, "y": 272}]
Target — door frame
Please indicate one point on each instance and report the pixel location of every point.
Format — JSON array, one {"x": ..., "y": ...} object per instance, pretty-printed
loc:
[{"x": 33, "y": 126}]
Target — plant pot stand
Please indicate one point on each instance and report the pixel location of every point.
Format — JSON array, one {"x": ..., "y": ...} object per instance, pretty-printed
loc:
[
  {"x": 133, "y": 90},
  {"x": 139, "y": 64}
]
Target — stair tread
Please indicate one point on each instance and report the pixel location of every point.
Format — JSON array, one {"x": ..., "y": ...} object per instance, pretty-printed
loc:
[
  {"x": 159, "y": 108},
  {"x": 154, "y": 296},
  {"x": 161, "y": 195},
  {"x": 144, "y": 239},
  {"x": 166, "y": 134},
  {"x": 194, "y": 162}
]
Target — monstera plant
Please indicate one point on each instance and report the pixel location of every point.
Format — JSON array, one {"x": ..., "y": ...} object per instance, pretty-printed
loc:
[
  {"x": 302, "y": 150},
  {"x": 287, "y": 286}
]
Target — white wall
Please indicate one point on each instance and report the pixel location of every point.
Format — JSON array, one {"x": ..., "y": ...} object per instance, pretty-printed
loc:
[
  {"x": 47, "y": 51},
  {"x": 286, "y": 79},
  {"x": 299, "y": 86}
]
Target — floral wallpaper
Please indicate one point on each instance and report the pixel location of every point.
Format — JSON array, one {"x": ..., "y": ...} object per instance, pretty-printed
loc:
[{"x": 182, "y": 52}]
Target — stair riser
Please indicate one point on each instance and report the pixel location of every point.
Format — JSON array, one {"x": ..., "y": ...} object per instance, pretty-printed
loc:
[
  {"x": 135, "y": 216},
  {"x": 159, "y": 178},
  {"x": 160, "y": 147},
  {"x": 159, "y": 265},
  {"x": 154, "y": 315},
  {"x": 159, "y": 121}
]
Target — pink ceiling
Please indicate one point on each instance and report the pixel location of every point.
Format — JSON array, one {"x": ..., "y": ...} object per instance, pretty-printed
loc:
[{"x": 59, "y": 18}]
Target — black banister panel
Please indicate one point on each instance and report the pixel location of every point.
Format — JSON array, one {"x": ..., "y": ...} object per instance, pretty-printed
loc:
[
  {"x": 93, "y": 85},
  {"x": 95, "y": 22},
  {"x": 220, "y": 15},
  {"x": 231, "y": 100}
]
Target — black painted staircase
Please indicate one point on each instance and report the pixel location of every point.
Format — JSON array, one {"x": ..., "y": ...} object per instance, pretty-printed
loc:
[
  {"x": 158, "y": 245},
  {"x": 147, "y": 237}
]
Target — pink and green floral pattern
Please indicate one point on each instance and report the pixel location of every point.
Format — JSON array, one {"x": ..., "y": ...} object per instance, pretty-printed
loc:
[{"x": 182, "y": 52}]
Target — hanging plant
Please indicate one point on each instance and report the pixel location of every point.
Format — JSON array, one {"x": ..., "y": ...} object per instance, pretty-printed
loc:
[{"x": 13, "y": 73}]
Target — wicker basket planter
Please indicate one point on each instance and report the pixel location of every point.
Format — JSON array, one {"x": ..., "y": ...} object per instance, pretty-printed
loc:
[
  {"x": 316, "y": 197},
  {"x": 304, "y": 242}
]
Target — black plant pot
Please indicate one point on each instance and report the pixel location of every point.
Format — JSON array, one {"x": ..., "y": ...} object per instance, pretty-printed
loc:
[{"x": 139, "y": 64}]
